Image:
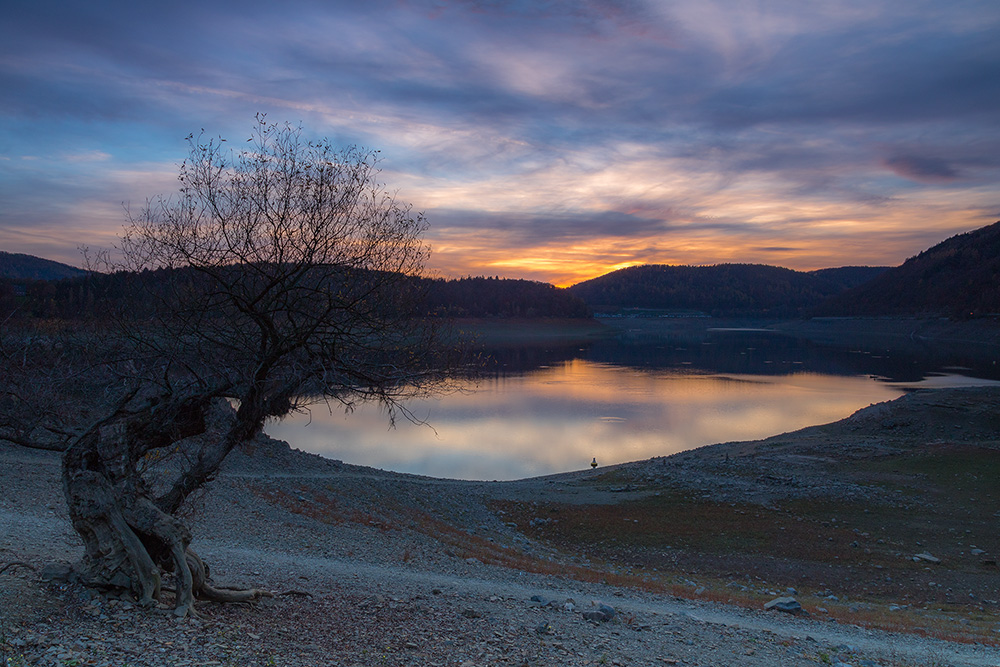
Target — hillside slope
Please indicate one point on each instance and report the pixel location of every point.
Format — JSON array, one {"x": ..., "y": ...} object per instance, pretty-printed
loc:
[
  {"x": 959, "y": 277},
  {"x": 846, "y": 277},
  {"x": 724, "y": 289},
  {"x": 17, "y": 266}
]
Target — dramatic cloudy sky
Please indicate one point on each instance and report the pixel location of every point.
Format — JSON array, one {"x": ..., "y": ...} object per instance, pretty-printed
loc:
[{"x": 545, "y": 139}]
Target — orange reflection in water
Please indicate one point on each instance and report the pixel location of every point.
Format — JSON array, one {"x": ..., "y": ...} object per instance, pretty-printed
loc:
[{"x": 558, "y": 418}]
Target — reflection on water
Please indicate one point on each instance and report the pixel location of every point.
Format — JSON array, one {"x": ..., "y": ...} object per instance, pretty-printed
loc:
[
  {"x": 559, "y": 418},
  {"x": 553, "y": 409}
]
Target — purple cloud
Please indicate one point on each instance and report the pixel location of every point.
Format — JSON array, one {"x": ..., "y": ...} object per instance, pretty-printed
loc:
[
  {"x": 710, "y": 124},
  {"x": 922, "y": 169}
]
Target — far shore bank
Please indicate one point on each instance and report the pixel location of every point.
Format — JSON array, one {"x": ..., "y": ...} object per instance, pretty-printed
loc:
[
  {"x": 976, "y": 335},
  {"x": 954, "y": 342}
]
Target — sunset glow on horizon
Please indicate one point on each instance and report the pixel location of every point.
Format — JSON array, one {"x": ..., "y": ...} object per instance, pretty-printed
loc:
[{"x": 553, "y": 141}]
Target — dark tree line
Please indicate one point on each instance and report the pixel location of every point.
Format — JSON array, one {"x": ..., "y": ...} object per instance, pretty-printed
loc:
[
  {"x": 725, "y": 289},
  {"x": 496, "y": 297},
  {"x": 91, "y": 296},
  {"x": 957, "y": 278}
]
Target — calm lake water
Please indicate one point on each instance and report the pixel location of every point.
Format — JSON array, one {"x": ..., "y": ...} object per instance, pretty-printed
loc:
[{"x": 554, "y": 409}]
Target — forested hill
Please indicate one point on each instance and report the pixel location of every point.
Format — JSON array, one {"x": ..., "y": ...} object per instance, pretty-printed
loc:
[
  {"x": 959, "y": 277},
  {"x": 723, "y": 289},
  {"x": 501, "y": 297},
  {"x": 15, "y": 266},
  {"x": 846, "y": 277},
  {"x": 92, "y": 294}
]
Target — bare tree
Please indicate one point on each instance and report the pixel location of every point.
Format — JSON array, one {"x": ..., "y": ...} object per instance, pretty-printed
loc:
[{"x": 280, "y": 274}]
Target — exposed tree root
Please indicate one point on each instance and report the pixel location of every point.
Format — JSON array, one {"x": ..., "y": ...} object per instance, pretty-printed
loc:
[
  {"x": 227, "y": 595},
  {"x": 16, "y": 563},
  {"x": 131, "y": 543},
  {"x": 297, "y": 593},
  {"x": 132, "y": 539}
]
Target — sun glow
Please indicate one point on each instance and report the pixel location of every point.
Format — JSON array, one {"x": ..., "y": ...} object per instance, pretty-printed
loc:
[{"x": 838, "y": 240}]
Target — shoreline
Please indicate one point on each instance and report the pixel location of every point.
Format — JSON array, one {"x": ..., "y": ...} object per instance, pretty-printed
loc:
[
  {"x": 644, "y": 334},
  {"x": 387, "y": 568}
]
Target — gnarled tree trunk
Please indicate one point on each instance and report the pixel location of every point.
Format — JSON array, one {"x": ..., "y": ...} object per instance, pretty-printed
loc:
[{"x": 131, "y": 538}]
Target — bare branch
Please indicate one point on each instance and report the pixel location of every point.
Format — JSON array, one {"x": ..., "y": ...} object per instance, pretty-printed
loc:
[{"x": 279, "y": 275}]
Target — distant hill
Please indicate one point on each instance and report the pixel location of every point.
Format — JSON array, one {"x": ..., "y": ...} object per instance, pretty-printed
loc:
[
  {"x": 501, "y": 297},
  {"x": 959, "y": 277},
  {"x": 723, "y": 289},
  {"x": 846, "y": 277},
  {"x": 16, "y": 266}
]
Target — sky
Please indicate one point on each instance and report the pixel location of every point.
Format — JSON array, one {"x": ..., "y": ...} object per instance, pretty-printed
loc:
[{"x": 546, "y": 139}]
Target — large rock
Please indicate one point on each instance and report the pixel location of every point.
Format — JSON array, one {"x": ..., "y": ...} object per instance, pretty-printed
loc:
[
  {"x": 59, "y": 572},
  {"x": 786, "y": 604},
  {"x": 602, "y": 614}
]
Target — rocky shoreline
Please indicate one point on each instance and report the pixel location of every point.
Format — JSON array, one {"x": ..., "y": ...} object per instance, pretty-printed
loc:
[{"x": 369, "y": 567}]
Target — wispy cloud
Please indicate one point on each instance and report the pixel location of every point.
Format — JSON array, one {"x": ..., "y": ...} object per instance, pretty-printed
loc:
[{"x": 553, "y": 140}]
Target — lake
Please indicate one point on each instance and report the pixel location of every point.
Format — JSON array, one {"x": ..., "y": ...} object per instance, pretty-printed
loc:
[{"x": 645, "y": 392}]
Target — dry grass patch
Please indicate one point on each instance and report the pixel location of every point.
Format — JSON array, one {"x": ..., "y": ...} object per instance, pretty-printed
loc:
[
  {"x": 322, "y": 507},
  {"x": 660, "y": 541}
]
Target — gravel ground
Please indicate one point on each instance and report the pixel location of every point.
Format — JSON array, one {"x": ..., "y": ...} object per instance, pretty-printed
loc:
[{"x": 375, "y": 568}]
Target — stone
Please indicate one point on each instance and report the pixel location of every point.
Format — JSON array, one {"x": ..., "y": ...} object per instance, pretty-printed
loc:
[
  {"x": 569, "y": 604},
  {"x": 62, "y": 572},
  {"x": 926, "y": 557},
  {"x": 789, "y": 605},
  {"x": 602, "y": 614}
]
